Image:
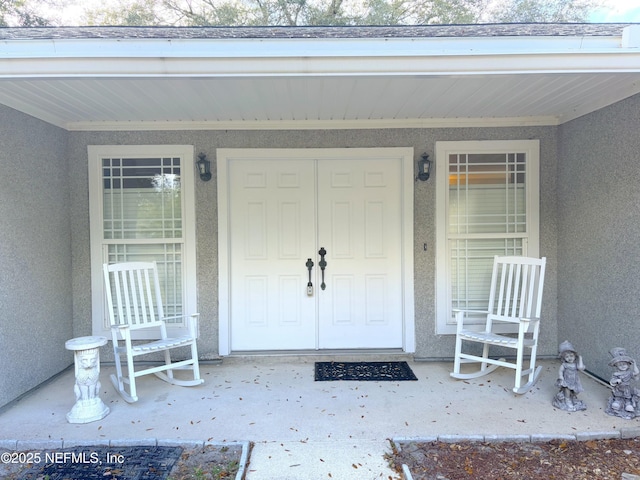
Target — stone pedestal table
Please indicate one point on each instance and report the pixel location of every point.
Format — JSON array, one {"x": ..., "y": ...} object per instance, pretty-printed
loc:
[{"x": 89, "y": 407}]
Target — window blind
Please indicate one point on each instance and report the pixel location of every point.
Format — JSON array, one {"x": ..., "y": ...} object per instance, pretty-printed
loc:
[
  {"x": 487, "y": 216},
  {"x": 142, "y": 219}
]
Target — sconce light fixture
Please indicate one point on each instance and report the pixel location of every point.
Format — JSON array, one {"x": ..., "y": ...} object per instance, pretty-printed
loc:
[
  {"x": 424, "y": 168},
  {"x": 204, "y": 167}
]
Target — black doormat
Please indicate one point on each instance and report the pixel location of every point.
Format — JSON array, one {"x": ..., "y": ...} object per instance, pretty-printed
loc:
[
  {"x": 86, "y": 463},
  {"x": 365, "y": 371}
]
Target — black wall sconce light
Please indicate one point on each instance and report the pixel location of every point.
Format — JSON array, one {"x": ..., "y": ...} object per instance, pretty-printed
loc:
[
  {"x": 204, "y": 167},
  {"x": 424, "y": 168}
]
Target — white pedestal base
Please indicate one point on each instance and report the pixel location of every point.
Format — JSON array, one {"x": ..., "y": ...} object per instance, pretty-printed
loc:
[
  {"x": 85, "y": 411},
  {"x": 89, "y": 407}
]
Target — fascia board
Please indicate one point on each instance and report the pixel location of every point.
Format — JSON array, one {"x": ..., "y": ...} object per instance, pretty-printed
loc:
[
  {"x": 434, "y": 65},
  {"x": 247, "y": 57},
  {"x": 296, "y": 47},
  {"x": 282, "y": 57}
]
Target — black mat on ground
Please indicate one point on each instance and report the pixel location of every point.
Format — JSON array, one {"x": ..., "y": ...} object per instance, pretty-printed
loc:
[
  {"x": 365, "y": 371},
  {"x": 85, "y": 463}
]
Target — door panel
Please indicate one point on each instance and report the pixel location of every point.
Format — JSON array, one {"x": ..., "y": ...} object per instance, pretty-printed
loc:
[
  {"x": 281, "y": 213},
  {"x": 359, "y": 223},
  {"x": 272, "y": 219}
]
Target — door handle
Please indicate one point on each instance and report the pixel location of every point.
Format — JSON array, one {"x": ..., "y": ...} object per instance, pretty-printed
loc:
[
  {"x": 323, "y": 264},
  {"x": 309, "y": 266}
]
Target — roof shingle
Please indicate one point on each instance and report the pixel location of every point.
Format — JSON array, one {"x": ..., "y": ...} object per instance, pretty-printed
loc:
[{"x": 339, "y": 32}]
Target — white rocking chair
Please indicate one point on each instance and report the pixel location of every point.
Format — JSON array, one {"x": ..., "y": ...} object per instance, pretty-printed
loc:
[
  {"x": 138, "y": 305},
  {"x": 515, "y": 303}
]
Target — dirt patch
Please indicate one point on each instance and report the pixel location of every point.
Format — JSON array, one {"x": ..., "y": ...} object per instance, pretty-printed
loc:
[
  {"x": 566, "y": 460},
  {"x": 208, "y": 463},
  {"x": 211, "y": 462}
]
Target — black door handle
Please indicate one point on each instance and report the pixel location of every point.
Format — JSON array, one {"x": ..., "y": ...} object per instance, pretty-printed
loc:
[
  {"x": 323, "y": 264},
  {"x": 309, "y": 266}
]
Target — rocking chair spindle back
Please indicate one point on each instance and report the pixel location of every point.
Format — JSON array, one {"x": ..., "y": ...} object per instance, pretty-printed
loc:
[
  {"x": 134, "y": 302},
  {"x": 515, "y": 305}
]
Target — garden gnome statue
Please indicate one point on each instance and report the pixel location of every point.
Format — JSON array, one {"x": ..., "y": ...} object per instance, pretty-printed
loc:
[
  {"x": 624, "y": 396},
  {"x": 569, "y": 380}
]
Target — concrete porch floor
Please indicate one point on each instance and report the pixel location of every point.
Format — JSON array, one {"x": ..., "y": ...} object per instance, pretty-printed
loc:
[{"x": 307, "y": 430}]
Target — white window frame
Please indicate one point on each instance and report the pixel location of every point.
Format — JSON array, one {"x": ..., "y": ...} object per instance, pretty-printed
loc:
[
  {"x": 100, "y": 322},
  {"x": 445, "y": 323}
]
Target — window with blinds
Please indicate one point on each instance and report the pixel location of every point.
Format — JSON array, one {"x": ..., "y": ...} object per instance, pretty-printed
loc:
[
  {"x": 142, "y": 201},
  {"x": 140, "y": 214},
  {"x": 488, "y": 191}
]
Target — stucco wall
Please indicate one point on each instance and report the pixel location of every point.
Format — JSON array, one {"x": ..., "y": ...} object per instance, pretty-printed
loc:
[
  {"x": 428, "y": 344},
  {"x": 599, "y": 233},
  {"x": 35, "y": 253}
]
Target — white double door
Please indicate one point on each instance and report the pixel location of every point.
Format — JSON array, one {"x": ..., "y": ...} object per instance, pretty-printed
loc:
[{"x": 282, "y": 212}]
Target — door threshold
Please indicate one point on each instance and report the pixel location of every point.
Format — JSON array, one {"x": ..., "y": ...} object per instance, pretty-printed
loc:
[{"x": 308, "y": 356}]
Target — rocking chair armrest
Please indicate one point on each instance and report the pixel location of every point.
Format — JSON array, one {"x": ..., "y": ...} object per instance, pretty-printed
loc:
[
  {"x": 456, "y": 310},
  {"x": 529, "y": 319},
  {"x": 191, "y": 321},
  {"x": 517, "y": 320},
  {"x": 119, "y": 327},
  {"x": 460, "y": 317},
  {"x": 123, "y": 331},
  {"x": 176, "y": 317},
  {"x": 193, "y": 324}
]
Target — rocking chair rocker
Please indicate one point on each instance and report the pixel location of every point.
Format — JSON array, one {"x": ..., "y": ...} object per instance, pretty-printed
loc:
[
  {"x": 138, "y": 305},
  {"x": 515, "y": 301}
]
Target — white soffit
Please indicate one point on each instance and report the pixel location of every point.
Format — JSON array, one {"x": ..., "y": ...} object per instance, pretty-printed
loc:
[{"x": 123, "y": 84}]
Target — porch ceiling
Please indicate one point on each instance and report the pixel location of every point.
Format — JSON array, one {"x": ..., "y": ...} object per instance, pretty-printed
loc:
[
  {"x": 317, "y": 83},
  {"x": 254, "y": 102}
]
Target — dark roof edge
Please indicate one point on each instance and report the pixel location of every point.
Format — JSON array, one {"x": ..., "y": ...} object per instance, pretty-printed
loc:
[{"x": 337, "y": 32}]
